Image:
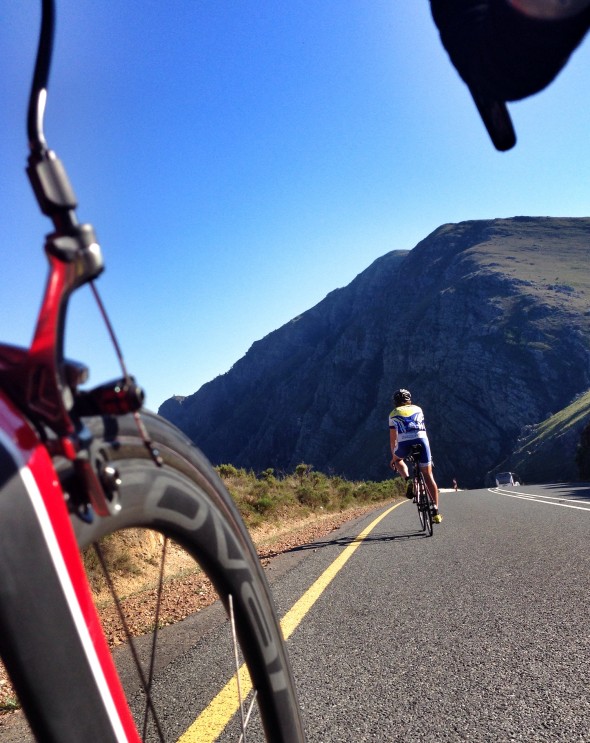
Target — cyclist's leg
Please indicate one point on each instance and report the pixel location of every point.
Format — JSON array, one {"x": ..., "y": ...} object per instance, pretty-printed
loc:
[
  {"x": 425, "y": 505},
  {"x": 397, "y": 461},
  {"x": 432, "y": 487},
  {"x": 426, "y": 469},
  {"x": 430, "y": 483}
]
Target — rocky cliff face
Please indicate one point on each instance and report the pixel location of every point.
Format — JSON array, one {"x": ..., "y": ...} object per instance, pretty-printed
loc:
[{"x": 486, "y": 322}]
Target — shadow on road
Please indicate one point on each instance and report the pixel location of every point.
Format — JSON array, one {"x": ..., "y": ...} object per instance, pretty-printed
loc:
[
  {"x": 576, "y": 491},
  {"x": 346, "y": 541}
]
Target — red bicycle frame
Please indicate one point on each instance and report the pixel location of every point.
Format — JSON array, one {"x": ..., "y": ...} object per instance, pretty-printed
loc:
[{"x": 50, "y": 635}]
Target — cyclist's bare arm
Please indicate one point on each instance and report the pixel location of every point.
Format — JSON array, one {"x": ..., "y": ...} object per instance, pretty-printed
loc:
[{"x": 393, "y": 441}]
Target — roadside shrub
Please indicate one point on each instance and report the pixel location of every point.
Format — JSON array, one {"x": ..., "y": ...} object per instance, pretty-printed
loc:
[
  {"x": 319, "y": 480},
  {"x": 227, "y": 470},
  {"x": 264, "y": 504},
  {"x": 364, "y": 493},
  {"x": 312, "y": 497},
  {"x": 268, "y": 475},
  {"x": 270, "y": 497},
  {"x": 344, "y": 489},
  {"x": 302, "y": 470}
]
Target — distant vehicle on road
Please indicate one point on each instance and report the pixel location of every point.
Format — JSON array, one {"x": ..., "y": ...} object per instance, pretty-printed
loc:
[{"x": 507, "y": 478}]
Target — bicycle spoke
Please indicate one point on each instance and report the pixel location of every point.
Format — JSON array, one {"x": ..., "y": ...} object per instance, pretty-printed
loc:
[
  {"x": 237, "y": 662},
  {"x": 244, "y": 718},
  {"x": 155, "y": 635},
  {"x": 248, "y": 715},
  {"x": 129, "y": 637},
  {"x": 246, "y": 723}
]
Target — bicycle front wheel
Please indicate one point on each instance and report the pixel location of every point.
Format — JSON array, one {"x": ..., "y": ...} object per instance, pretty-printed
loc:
[{"x": 188, "y": 517}]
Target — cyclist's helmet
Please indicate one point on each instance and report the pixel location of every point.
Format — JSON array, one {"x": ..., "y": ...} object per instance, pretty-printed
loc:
[{"x": 402, "y": 397}]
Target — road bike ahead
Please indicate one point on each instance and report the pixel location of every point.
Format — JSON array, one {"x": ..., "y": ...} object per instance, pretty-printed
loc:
[
  {"x": 76, "y": 467},
  {"x": 422, "y": 497}
]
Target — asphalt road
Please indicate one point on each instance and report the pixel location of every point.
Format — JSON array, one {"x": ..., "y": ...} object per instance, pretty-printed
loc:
[{"x": 479, "y": 633}]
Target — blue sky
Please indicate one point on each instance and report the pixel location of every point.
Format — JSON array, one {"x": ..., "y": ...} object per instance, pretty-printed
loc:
[{"x": 241, "y": 159}]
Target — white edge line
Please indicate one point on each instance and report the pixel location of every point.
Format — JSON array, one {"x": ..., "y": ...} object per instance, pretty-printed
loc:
[{"x": 536, "y": 499}]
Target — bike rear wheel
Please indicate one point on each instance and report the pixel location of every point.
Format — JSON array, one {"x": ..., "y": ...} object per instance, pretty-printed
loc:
[
  {"x": 424, "y": 506},
  {"x": 187, "y": 515},
  {"x": 420, "y": 503}
]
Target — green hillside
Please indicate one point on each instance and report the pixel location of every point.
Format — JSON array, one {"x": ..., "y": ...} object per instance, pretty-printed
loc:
[{"x": 549, "y": 451}]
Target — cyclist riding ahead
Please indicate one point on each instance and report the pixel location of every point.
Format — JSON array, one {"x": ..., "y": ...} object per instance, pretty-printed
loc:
[{"x": 406, "y": 428}]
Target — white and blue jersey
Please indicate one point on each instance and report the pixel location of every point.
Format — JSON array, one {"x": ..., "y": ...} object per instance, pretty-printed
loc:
[{"x": 408, "y": 421}]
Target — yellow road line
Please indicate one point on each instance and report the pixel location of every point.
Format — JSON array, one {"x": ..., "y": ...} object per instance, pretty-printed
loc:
[
  {"x": 211, "y": 722},
  {"x": 294, "y": 616}
]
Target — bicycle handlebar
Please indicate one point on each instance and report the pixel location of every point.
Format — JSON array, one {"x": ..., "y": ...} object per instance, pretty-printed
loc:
[
  {"x": 38, "y": 93},
  {"x": 47, "y": 174}
]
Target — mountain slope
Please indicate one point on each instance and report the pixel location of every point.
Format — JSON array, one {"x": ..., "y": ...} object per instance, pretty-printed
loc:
[
  {"x": 548, "y": 452},
  {"x": 485, "y": 321}
]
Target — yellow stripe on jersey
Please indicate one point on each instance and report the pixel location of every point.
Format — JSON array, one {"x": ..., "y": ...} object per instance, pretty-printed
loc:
[{"x": 404, "y": 411}]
